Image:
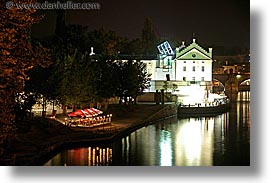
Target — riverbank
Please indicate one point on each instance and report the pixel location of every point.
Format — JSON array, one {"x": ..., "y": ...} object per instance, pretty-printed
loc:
[{"x": 44, "y": 138}]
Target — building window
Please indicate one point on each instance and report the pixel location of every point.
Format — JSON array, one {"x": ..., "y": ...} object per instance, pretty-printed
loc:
[
  {"x": 193, "y": 80},
  {"x": 202, "y": 78},
  {"x": 203, "y": 62},
  {"x": 184, "y": 62},
  {"x": 202, "y": 68},
  {"x": 194, "y": 62},
  {"x": 194, "y": 68},
  {"x": 184, "y": 78},
  {"x": 184, "y": 68}
]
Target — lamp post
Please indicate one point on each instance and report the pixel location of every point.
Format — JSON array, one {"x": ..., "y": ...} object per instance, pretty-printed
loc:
[
  {"x": 110, "y": 119},
  {"x": 102, "y": 121}
]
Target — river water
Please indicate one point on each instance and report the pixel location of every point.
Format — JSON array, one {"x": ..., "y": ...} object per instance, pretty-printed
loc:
[{"x": 203, "y": 141}]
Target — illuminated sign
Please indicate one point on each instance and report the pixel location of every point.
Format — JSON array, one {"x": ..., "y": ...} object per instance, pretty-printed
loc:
[{"x": 165, "y": 48}]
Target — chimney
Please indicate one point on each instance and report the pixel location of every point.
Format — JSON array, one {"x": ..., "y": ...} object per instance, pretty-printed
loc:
[{"x": 210, "y": 51}]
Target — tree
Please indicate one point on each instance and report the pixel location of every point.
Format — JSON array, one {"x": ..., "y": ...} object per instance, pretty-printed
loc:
[
  {"x": 69, "y": 47},
  {"x": 75, "y": 37},
  {"x": 76, "y": 85},
  {"x": 41, "y": 85},
  {"x": 149, "y": 38},
  {"x": 107, "y": 42},
  {"x": 167, "y": 86},
  {"x": 133, "y": 79},
  {"x": 106, "y": 79},
  {"x": 24, "y": 103},
  {"x": 71, "y": 85},
  {"x": 17, "y": 55},
  {"x": 143, "y": 79},
  {"x": 135, "y": 47}
]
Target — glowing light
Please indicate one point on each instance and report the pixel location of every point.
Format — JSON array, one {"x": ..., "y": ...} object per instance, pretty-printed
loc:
[
  {"x": 166, "y": 149},
  {"x": 165, "y": 48},
  {"x": 89, "y": 156},
  {"x": 194, "y": 140},
  {"x": 92, "y": 51}
]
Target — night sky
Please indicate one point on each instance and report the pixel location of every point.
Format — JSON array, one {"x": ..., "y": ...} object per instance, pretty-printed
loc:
[{"x": 213, "y": 22}]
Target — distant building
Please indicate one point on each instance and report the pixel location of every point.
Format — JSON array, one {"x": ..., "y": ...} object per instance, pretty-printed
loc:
[
  {"x": 185, "y": 72},
  {"x": 188, "y": 73},
  {"x": 236, "y": 64}
]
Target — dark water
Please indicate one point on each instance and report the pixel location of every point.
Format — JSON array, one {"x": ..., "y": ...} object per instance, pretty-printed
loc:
[{"x": 204, "y": 141}]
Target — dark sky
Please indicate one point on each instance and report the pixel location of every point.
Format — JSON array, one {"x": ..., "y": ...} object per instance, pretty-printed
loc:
[{"x": 214, "y": 22}]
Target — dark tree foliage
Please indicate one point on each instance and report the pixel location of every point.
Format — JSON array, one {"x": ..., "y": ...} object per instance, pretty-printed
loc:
[
  {"x": 135, "y": 47},
  {"x": 75, "y": 37},
  {"x": 105, "y": 80},
  {"x": 17, "y": 55},
  {"x": 76, "y": 79},
  {"x": 107, "y": 42},
  {"x": 133, "y": 80},
  {"x": 149, "y": 38}
]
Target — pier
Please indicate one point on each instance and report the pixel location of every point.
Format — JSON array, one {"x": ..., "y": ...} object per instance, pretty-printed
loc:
[{"x": 186, "y": 111}]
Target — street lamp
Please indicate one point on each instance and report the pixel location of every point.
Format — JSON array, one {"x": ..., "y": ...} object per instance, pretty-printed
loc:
[{"x": 110, "y": 119}]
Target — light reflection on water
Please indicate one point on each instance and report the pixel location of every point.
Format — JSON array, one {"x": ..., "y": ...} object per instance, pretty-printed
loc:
[
  {"x": 180, "y": 142},
  {"x": 204, "y": 141},
  {"x": 90, "y": 156},
  {"x": 165, "y": 148}
]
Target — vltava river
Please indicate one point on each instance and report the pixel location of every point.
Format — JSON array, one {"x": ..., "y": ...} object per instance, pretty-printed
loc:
[{"x": 204, "y": 141}]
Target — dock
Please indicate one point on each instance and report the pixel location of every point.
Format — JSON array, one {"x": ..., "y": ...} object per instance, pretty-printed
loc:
[{"x": 191, "y": 111}]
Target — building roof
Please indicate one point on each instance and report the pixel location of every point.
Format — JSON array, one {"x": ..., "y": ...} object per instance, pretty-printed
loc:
[{"x": 195, "y": 47}]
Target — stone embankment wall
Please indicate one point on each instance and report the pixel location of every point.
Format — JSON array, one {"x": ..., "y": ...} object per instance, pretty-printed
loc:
[{"x": 167, "y": 111}]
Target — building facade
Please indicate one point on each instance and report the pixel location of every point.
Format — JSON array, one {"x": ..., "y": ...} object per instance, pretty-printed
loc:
[{"x": 187, "y": 73}]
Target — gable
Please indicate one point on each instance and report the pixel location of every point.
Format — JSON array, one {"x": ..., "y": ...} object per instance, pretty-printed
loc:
[{"x": 193, "y": 54}]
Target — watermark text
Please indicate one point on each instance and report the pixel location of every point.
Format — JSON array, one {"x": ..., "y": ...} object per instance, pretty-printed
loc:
[{"x": 69, "y": 5}]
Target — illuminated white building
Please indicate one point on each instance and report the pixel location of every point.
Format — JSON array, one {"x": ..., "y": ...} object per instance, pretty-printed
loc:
[{"x": 189, "y": 70}]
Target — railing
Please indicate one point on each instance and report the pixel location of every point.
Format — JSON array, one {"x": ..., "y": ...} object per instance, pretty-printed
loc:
[
  {"x": 210, "y": 110},
  {"x": 244, "y": 88}
]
